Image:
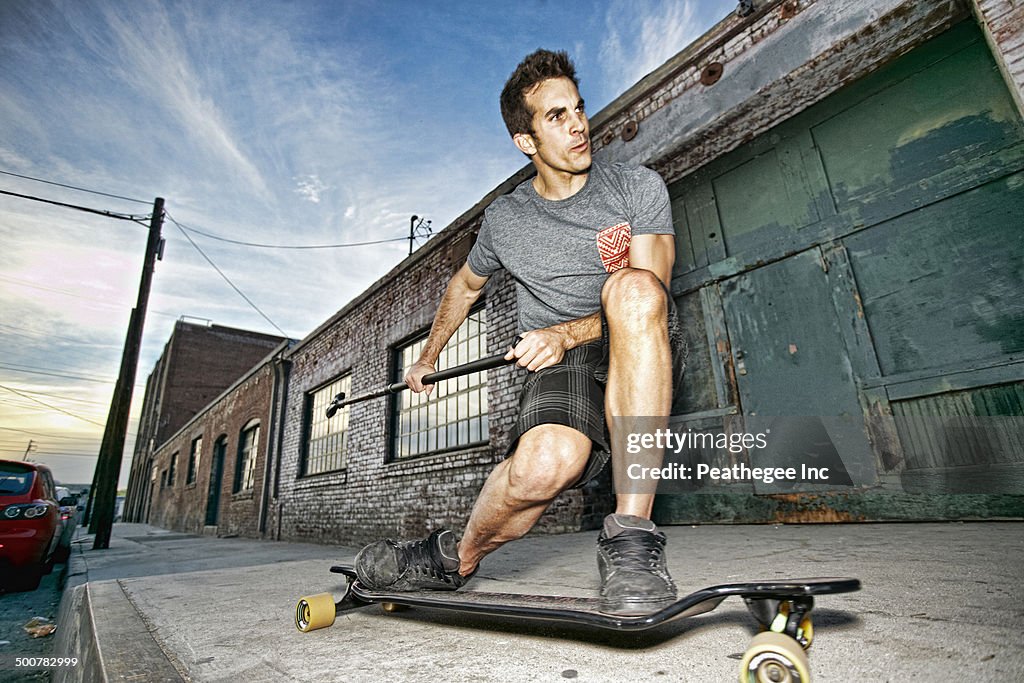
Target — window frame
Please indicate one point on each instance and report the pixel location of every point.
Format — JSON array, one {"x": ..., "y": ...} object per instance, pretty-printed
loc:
[
  {"x": 171, "y": 469},
  {"x": 394, "y": 402},
  {"x": 342, "y": 416},
  {"x": 194, "y": 460},
  {"x": 245, "y": 482}
]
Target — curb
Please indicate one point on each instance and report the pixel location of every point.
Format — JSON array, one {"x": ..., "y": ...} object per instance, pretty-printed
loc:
[
  {"x": 111, "y": 644},
  {"x": 76, "y": 636}
]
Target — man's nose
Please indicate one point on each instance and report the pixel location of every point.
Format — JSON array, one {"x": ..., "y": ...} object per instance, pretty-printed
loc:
[{"x": 577, "y": 122}]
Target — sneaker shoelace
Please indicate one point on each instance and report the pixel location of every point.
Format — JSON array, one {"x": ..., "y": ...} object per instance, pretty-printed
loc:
[
  {"x": 632, "y": 548},
  {"x": 419, "y": 558}
]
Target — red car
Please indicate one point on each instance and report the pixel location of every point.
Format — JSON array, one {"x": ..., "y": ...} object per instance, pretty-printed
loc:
[{"x": 30, "y": 523}]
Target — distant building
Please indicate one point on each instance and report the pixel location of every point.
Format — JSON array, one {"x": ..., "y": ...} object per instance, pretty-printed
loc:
[
  {"x": 846, "y": 183},
  {"x": 199, "y": 361}
]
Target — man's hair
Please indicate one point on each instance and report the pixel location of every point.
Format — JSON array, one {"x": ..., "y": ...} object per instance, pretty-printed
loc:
[{"x": 536, "y": 67}]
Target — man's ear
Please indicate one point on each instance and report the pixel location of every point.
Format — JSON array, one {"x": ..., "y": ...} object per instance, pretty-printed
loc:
[{"x": 526, "y": 144}]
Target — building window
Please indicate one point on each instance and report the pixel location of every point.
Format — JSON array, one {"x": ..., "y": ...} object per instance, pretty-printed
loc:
[
  {"x": 325, "y": 449},
  {"x": 245, "y": 469},
  {"x": 194, "y": 455},
  {"x": 455, "y": 413},
  {"x": 170, "y": 470}
]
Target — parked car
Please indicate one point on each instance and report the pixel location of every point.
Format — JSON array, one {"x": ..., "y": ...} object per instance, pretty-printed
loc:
[
  {"x": 30, "y": 523},
  {"x": 69, "y": 508}
]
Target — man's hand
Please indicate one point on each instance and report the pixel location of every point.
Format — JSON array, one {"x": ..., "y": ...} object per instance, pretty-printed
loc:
[
  {"x": 539, "y": 349},
  {"x": 414, "y": 378}
]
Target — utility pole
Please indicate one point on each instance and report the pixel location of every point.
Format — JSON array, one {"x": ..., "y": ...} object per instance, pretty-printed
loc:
[
  {"x": 108, "y": 468},
  {"x": 31, "y": 447}
]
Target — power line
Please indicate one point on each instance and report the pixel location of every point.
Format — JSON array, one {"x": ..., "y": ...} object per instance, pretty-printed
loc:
[
  {"x": 184, "y": 227},
  {"x": 226, "y": 279},
  {"x": 55, "y": 455},
  {"x": 56, "y": 372},
  {"x": 100, "y": 302},
  {"x": 76, "y": 207},
  {"x": 45, "y": 436},
  {"x": 64, "y": 397},
  {"x": 35, "y": 335},
  {"x": 287, "y": 246},
  {"x": 50, "y": 335},
  {"x": 17, "y": 403},
  {"x": 59, "y": 410},
  {"x": 73, "y": 187}
]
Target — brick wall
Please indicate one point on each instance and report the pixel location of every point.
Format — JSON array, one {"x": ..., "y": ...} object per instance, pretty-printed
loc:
[
  {"x": 183, "y": 506},
  {"x": 203, "y": 362},
  {"x": 198, "y": 363}
]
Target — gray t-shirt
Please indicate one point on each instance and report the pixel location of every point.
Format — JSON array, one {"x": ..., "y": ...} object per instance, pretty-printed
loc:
[{"x": 561, "y": 252}]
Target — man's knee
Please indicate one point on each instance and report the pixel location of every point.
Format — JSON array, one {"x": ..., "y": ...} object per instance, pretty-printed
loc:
[
  {"x": 548, "y": 460},
  {"x": 633, "y": 291}
]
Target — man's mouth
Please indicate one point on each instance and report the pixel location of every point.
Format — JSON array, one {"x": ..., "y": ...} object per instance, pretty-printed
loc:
[{"x": 581, "y": 147}]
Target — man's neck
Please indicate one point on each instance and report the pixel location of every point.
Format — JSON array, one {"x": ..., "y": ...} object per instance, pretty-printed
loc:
[{"x": 556, "y": 185}]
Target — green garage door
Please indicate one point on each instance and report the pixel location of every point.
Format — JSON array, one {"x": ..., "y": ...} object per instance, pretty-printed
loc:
[{"x": 866, "y": 258}]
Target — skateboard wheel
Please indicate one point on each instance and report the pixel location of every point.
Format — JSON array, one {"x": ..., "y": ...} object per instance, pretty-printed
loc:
[
  {"x": 774, "y": 658},
  {"x": 314, "y": 611},
  {"x": 392, "y": 607}
]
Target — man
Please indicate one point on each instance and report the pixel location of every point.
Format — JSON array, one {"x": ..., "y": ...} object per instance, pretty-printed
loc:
[{"x": 591, "y": 247}]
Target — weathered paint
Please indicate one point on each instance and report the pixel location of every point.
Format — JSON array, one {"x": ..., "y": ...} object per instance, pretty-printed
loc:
[
  {"x": 903, "y": 193},
  {"x": 964, "y": 441},
  {"x": 1003, "y": 23},
  {"x": 938, "y": 283},
  {"x": 860, "y": 506},
  {"x": 826, "y": 46}
]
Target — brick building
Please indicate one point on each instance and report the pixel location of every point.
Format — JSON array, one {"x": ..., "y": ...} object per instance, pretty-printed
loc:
[
  {"x": 212, "y": 474},
  {"x": 198, "y": 363},
  {"x": 824, "y": 161}
]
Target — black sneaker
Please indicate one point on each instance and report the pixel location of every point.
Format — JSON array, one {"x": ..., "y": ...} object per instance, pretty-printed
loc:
[
  {"x": 432, "y": 563},
  {"x": 631, "y": 560}
]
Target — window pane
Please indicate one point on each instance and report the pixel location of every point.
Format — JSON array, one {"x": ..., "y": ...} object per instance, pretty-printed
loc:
[
  {"x": 325, "y": 450},
  {"x": 426, "y": 424}
]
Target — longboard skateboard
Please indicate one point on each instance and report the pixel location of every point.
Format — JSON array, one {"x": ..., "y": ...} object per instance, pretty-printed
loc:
[{"x": 781, "y": 607}]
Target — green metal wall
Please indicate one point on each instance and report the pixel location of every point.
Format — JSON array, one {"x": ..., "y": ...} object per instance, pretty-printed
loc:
[{"x": 866, "y": 258}]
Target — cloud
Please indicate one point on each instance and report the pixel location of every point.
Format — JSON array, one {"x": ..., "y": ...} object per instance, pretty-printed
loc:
[
  {"x": 642, "y": 36},
  {"x": 310, "y": 187}
]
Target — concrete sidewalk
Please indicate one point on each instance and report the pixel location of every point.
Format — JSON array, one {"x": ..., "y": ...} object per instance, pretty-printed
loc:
[{"x": 941, "y": 602}]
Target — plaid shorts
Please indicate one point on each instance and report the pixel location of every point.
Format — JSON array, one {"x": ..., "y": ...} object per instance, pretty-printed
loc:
[{"x": 571, "y": 393}]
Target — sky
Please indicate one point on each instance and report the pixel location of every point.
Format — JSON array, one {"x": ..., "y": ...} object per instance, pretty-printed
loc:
[{"x": 276, "y": 123}]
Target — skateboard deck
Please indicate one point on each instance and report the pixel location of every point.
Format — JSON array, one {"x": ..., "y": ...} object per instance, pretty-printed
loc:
[{"x": 781, "y": 606}]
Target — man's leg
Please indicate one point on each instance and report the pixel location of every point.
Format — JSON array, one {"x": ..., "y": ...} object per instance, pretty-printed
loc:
[
  {"x": 631, "y": 559},
  {"x": 548, "y": 459},
  {"x": 639, "y": 380}
]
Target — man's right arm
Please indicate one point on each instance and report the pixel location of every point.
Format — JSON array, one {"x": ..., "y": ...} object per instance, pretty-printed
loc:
[{"x": 463, "y": 291}]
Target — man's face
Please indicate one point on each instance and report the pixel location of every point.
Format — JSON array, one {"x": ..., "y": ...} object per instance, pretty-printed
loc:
[{"x": 561, "y": 132}]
